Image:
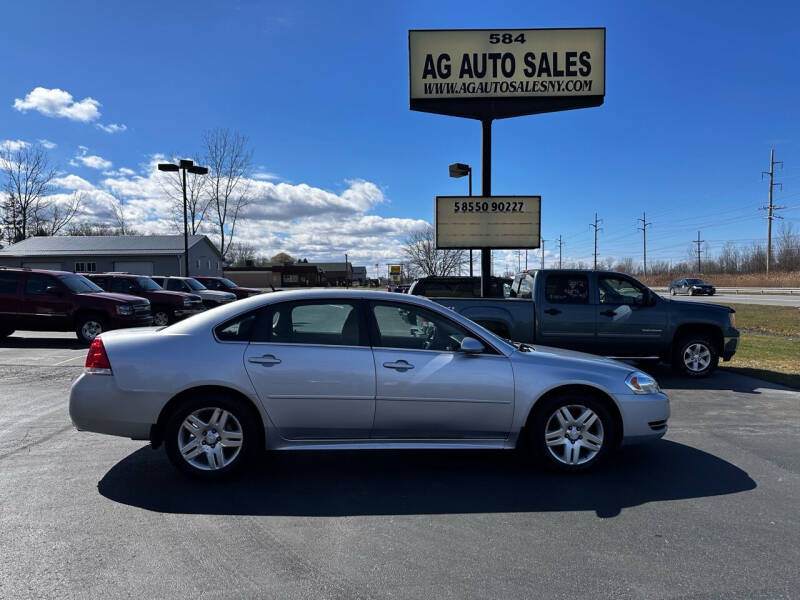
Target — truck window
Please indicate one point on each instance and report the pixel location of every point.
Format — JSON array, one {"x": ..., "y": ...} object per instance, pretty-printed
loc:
[
  {"x": 38, "y": 283},
  {"x": 567, "y": 289},
  {"x": 525, "y": 287},
  {"x": 9, "y": 282},
  {"x": 616, "y": 290}
]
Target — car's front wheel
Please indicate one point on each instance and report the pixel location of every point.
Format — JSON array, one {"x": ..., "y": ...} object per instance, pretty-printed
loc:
[
  {"x": 672, "y": 291},
  {"x": 695, "y": 356},
  {"x": 161, "y": 318},
  {"x": 89, "y": 327},
  {"x": 211, "y": 435},
  {"x": 572, "y": 432}
]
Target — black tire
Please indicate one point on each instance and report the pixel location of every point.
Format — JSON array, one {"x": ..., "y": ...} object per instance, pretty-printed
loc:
[
  {"x": 90, "y": 326},
  {"x": 575, "y": 402},
  {"x": 246, "y": 422},
  {"x": 162, "y": 317},
  {"x": 4, "y": 333},
  {"x": 672, "y": 292},
  {"x": 690, "y": 354}
]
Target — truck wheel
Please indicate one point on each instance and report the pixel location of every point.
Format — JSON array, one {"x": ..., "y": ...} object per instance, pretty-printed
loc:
[
  {"x": 572, "y": 432},
  {"x": 695, "y": 356},
  {"x": 89, "y": 327},
  {"x": 161, "y": 317},
  {"x": 4, "y": 333},
  {"x": 211, "y": 435}
]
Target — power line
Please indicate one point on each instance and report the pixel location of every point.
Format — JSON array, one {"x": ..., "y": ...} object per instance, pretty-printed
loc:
[
  {"x": 643, "y": 228},
  {"x": 770, "y": 208}
]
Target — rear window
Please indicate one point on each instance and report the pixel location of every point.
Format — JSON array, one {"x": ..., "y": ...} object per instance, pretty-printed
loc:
[
  {"x": 567, "y": 289},
  {"x": 9, "y": 282}
]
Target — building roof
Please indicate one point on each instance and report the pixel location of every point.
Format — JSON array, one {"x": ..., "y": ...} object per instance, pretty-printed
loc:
[{"x": 105, "y": 245}]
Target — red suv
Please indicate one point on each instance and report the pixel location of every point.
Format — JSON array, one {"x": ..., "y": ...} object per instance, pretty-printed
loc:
[
  {"x": 38, "y": 300},
  {"x": 167, "y": 306}
]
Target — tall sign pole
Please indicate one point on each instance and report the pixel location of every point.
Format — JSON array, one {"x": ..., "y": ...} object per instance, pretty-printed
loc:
[{"x": 486, "y": 191}]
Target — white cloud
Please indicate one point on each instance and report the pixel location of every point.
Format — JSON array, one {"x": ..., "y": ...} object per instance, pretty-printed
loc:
[
  {"x": 48, "y": 144},
  {"x": 13, "y": 145},
  {"x": 121, "y": 172},
  {"x": 90, "y": 160},
  {"x": 112, "y": 127},
  {"x": 73, "y": 182},
  {"x": 59, "y": 103},
  {"x": 262, "y": 175}
]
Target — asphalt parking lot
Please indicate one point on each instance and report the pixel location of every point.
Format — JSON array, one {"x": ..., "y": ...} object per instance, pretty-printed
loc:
[{"x": 711, "y": 511}]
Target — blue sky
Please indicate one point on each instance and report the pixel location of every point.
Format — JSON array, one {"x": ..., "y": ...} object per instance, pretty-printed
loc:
[{"x": 697, "y": 94}]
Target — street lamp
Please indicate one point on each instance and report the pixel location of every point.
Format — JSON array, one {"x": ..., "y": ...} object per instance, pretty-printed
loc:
[
  {"x": 184, "y": 165},
  {"x": 459, "y": 170}
]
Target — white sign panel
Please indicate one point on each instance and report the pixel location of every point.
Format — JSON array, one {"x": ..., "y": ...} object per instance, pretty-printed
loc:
[
  {"x": 507, "y": 63},
  {"x": 502, "y": 222}
]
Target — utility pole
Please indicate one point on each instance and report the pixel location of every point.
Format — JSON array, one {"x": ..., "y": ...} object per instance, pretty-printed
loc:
[
  {"x": 698, "y": 242},
  {"x": 346, "y": 272},
  {"x": 526, "y": 259},
  {"x": 597, "y": 228},
  {"x": 560, "y": 243},
  {"x": 541, "y": 249},
  {"x": 770, "y": 208},
  {"x": 643, "y": 229}
]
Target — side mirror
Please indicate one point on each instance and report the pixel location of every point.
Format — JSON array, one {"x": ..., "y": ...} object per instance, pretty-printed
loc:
[
  {"x": 52, "y": 290},
  {"x": 470, "y": 345}
]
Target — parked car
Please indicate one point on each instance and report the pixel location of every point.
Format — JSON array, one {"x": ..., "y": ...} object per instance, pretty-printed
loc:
[
  {"x": 40, "y": 300},
  {"x": 607, "y": 313},
  {"x": 166, "y": 306},
  {"x": 399, "y": 289},
  {"x": 189, "y": 285},
  {"x": 459, "y": 287},
  {"x": 691, "y": 287},
  {"x": 322, "y": 369},
  {"x": 223, "y": 284}
]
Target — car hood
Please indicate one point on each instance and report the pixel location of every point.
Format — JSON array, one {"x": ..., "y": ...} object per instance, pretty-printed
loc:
[
  {"x": 215, "y": 295},
  {"x": 701, "y": 305},
  {"x": 249, "y": 290},
  {"x": 582, "y": 359},
  {"x": 120, "y": 298}
]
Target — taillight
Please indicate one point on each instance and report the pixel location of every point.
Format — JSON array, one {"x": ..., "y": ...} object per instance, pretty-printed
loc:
[{"x": 97, "y": 362}]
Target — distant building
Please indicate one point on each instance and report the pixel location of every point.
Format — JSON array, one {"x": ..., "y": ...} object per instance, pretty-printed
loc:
[
  {"x": 360, "y": 275},
  {"x": 336, "y": 273},
  {"x": 284, "y": 275},
  {"x": 140, "y": 254}
]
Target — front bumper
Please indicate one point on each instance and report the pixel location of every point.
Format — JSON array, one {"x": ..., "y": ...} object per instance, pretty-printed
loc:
[
  {"x": 187, "y": 312},
  {"x": 729, "y": 346},
  {"x": 123, "y": 322},
  {"x": 644, "y": 417}
]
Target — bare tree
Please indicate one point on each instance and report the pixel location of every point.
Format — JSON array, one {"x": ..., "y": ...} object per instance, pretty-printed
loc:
[
  {"x": 197, "y": 198},
  {"x": 241, "y": 253},
  {"x": 51, "y": 216},
  {"x": 228, "y": 158},
  {"x": 28, "y": 180},
  {"x": 422, "y": 255},
  {"x": 120, "y": 218}
]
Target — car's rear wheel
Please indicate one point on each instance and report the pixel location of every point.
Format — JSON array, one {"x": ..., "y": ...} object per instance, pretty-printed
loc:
[
  {"x": 695, "y": 356},
  {"x": 211, "y": 435},
  {"x": 161, "y": 318},
  {"x": 89, "y": 327},
  {"x": 572, "y": 432}
]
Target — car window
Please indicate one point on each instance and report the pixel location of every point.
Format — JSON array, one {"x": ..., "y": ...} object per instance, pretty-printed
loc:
[
  {"x": 317, "y": 323},
  {"x": 567, "y": 288},
  {"x": 415, "y": 328},
  {"x": 9, "y": 282},
  {"x": 121, "y": 285},
  {"x": 617, "y": 290},
  {"x": 79, "y": 284},
  {"x": 176, "y": 285},
  {"x": 147, "y": 284},
  {"x": 37, "y": 283},
  {"x": 238, "y": 329},
  {"x": 525, "y": 287}
]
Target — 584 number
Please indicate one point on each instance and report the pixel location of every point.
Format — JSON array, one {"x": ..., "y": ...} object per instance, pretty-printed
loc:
[{"x": 506, "y": 38}]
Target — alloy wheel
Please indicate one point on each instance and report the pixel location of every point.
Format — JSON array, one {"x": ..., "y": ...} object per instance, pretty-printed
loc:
[
  {"x": 91, "y": 329},
  {"x": 574, "y": 434},
  {"x": 161, "y": 319},
  {"x": 696, "y": 357},
  {"x": 210, "y": 438}
]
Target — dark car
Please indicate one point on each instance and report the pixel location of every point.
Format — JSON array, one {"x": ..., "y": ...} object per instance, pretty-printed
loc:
[
  {"x": 39, "y": 300},
  {"x": 223, "y": 284},
  {"x": 459, "y": 287},
  {"x": 167, "y": 307},
  {"x": 691, "y": 287}
]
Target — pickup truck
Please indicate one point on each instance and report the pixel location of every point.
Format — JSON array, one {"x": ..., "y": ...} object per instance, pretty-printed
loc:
[
  {"x": 167, "y": 307},
  {"x": 607, "y": 313},
  {"x": 38, "y": 300}
]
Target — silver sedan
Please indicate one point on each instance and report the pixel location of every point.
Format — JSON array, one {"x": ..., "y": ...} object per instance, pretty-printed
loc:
[{"x": 318, "y": 369}]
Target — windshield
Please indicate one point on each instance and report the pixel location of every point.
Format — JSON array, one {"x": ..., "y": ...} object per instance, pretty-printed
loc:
[
  {"x": 227, "y": 282},
  {"x": 79, "y": 284},
  {"x": 194, "y": 284},
  {"x": 148, "y": 284},
  {"x": 694, "y": 281}
]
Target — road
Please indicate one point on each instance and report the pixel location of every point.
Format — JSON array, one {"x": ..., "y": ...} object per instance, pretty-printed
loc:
[
  {"x": 708, "y": 512},
  {"x": 766, "y": 299}
]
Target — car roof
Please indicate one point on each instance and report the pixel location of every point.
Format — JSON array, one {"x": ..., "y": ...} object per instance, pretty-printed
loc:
[{"x": 40, "y": 271}]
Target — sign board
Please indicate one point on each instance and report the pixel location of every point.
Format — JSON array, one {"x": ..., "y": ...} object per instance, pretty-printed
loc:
[
  {"x": 395, "y": 273},
  {"x": 498, "y": 73},
  {"x": 500, "y": 222}
]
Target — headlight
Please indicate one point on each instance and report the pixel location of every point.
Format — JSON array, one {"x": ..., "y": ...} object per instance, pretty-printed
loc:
[
  {"x": 732, "y": 316},
  {"x": 187, "y": 301},
  {"x": 125, "y": 310},
  {"x": 642, "y": 383}
]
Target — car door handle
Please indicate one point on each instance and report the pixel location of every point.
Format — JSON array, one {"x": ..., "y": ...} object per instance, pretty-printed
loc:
[
  {"x": 400, "y": 365},
  {"x": 266, "y": 360},
  {"x": 553, "y": 311},
  {"x": 609, "y": 313}
]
